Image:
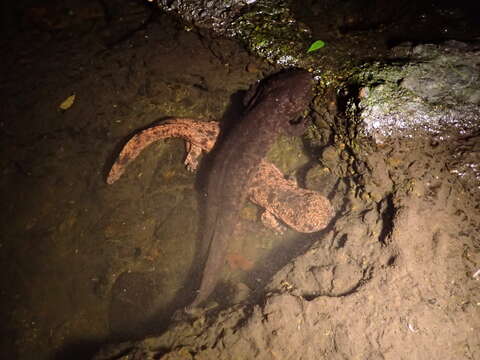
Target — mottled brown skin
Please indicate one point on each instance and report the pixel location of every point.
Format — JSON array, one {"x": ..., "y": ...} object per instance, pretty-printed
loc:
[
  {"x": 303, "y": 210},
  {"x": 278, "y": 100},
  {"x": 200, "y": 135}
]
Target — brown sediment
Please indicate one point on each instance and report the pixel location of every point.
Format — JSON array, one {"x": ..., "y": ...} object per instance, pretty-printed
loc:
[{"x": 237, "y": 261}]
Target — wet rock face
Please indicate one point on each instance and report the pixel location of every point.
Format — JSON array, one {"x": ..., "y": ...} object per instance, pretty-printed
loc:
[
  {"x": 267, "y": 28},
  {"x": 434, "y": 94},
  {"x": 437, "y": 93},
  {"x": 205, "y": 12}
]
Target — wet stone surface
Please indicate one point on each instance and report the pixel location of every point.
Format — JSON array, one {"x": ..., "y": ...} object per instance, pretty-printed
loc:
[
  {"x": 217, "y": 14},
  {"x": 436, "y": 93}
]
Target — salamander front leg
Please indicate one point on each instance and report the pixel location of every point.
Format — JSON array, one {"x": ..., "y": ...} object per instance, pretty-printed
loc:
[{"x": 193, "y": 155}]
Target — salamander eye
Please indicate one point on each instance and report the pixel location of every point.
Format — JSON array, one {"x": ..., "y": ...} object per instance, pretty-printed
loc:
[{"x": 296, "y": 121}]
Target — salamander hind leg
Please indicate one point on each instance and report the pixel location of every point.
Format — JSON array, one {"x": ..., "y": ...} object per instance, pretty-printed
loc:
[{"x": 270, "y": 221}]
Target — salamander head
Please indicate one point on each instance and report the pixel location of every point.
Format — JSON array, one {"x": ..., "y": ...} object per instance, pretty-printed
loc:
[{"x": 288, "y": 93}]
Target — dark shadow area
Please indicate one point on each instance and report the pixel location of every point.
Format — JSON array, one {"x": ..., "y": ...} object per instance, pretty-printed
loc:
[
  {"x": 232, "y": 116},
  {"x": 387, "y": 209},
  {"x": 79, "y": 350}
]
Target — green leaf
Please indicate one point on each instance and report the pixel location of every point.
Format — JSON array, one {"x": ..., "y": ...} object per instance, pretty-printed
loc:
[{"x": 316, "y": 45}]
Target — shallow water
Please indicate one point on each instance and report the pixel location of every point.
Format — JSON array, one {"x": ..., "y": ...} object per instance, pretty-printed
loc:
[{"x": 83, "y": 262}]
